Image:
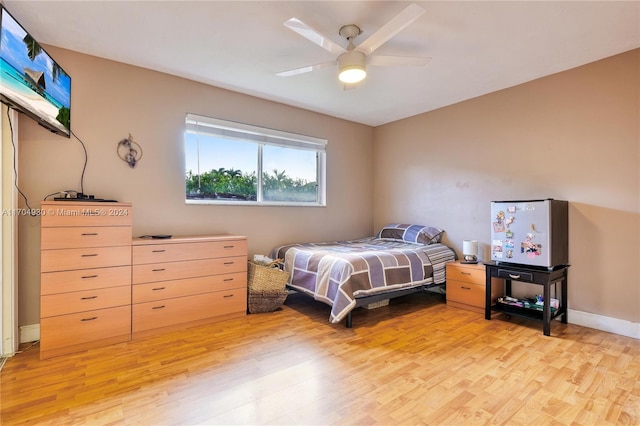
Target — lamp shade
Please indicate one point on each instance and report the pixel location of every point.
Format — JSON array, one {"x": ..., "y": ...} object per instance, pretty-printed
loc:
[{"x": 470, "y": 247}]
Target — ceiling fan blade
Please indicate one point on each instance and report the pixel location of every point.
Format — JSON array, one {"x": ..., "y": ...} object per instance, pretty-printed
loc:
[
  {"x": 314, "y": 36},
  {"x": 306, "y": 69},
  {"x": 384, "y": 61},
  {"x": 391, "y": 28}
]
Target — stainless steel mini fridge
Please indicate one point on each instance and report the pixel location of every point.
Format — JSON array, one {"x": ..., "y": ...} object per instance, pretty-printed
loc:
[{"x": 530, "y": 232}]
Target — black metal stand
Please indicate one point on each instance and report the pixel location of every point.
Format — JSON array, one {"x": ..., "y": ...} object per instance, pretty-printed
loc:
[{"x": 543, "y": 277}]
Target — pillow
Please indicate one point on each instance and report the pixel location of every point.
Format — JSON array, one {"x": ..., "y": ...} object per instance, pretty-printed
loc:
[{"x": 411, "y": 233}]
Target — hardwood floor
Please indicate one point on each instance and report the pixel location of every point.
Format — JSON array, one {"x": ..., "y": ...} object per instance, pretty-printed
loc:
[{"x": 415, "y": 361}]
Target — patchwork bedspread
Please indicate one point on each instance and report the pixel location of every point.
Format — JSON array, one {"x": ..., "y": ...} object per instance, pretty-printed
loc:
[{"x": 337, "y": 272}]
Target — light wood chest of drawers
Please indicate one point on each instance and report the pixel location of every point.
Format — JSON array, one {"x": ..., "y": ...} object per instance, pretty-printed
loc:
[
  {"x": 85, "y": 279},
  {"x": 186, "y": 281},
  {"x": 466, "y": 286}
]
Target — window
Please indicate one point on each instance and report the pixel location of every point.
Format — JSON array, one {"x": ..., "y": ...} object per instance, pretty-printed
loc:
[{"x": 235, "y": 163}]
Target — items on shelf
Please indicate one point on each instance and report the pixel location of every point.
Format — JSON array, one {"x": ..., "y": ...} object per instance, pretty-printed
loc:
[{"x": 536, "y": 303}]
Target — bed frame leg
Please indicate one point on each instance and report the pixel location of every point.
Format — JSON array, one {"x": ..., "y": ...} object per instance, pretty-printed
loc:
[{"x": 348, "y": 322}]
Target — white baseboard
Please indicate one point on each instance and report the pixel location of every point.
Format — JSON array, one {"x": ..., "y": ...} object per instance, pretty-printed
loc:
[
  {"x": 29, "y": 333},
  {"x": 602, "y": 323},
  {"x": 8, "y": 348}
]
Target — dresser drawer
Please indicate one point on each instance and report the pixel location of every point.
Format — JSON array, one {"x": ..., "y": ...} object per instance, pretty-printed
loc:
[
  {"x": 168, "y": 312},
  {"x": 474, "y": 274},
  {"x": 229, "y": 301},
  {"x": 186, "y": 287},
  {"x": 84, "y": 279},
  {"x": 76, "y": 329},
  {"x": 85, "y": 214},
  {"x": 156, "y": 253},
  {"x": 81, "y": 301},
  {"x": 79, "y": 237},
  {"x": 466, "y": 293},
  {"x": 86, "y": 258},
  {"x": 188, "y": 269}
]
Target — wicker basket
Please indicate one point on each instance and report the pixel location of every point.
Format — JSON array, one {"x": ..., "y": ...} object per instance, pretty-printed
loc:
[
  {"x": 266, "y": 287},
  {"x": 266, "y": 300},
  {"x": 266, "y": 277}
]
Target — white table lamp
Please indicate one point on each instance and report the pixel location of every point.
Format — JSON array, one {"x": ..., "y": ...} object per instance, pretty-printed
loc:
[{"x": 470, "y": 251}]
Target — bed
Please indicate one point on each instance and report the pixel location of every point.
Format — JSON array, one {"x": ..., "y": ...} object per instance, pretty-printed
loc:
[{"x": 399, "y": 260}]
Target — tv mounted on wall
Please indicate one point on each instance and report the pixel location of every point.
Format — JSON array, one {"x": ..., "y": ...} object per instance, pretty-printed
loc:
[{"x": 30, "y": 80}]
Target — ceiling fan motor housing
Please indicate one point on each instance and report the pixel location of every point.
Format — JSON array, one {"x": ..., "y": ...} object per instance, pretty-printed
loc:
[{"x": 351, "y": 66}]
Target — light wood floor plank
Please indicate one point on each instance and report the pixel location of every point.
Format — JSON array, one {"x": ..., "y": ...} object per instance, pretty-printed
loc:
[{"x": 416, "y": 361}]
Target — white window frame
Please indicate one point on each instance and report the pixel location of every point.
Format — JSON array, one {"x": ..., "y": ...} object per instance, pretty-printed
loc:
[{"x": 261, "y": 136}]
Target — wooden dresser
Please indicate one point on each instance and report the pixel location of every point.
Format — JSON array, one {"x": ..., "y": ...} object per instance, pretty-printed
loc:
[
  {"x": 184, "y": 281},
  {"x": 466, "y": 286},
  {"x": 85, "y": 280}
]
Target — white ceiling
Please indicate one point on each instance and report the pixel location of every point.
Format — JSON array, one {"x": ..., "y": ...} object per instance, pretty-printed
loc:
[{"x": 476, "y": 47}]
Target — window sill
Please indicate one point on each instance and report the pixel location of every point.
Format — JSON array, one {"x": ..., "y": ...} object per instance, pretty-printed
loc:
[{"x": 253, "y": 203}]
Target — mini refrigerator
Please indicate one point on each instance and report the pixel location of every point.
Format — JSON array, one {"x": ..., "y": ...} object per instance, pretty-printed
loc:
[{"x": 530, "y": 232}]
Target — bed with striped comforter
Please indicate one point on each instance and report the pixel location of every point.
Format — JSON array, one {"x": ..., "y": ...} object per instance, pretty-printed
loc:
[{"x": 337, "y": 273}]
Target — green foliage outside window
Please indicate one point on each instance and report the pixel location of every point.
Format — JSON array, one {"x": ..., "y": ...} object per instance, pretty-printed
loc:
[{"x": 230, "y": 184}]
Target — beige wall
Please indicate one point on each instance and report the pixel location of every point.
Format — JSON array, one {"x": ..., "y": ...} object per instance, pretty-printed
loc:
[
  {"x": 111, "y": 100},
  {"x": 573, "y": 136}
]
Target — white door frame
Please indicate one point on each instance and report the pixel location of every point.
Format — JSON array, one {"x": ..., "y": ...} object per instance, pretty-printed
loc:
[{"x": 9, "y": 235}]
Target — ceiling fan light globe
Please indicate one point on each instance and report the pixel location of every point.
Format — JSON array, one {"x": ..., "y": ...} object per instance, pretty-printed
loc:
[
  {"x": 351, "y": 67},
  {"x": 352, "y": 75}
]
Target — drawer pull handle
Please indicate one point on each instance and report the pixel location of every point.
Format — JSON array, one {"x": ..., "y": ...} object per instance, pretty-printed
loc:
[
  {"x": 465, "y": 288},
  {"x": 228, "y": 263},
  {"x": 88, "y": 297},
  {"x": 228, "y": 279},
  {"x": 158, "y": 307},
  {"x": 89, "y": 319},
  {"x": 228, "y": 247},
  {"x": 89, "y": 234},
  {"x": 226, "y": 296},
  {"x": 89, "y": 255},
  {"x": 515, "y": 277},
  {"x": 89, "y": 276},
  {"x": 465, "y": 273},
  {"x": 158, "y": 288},
  {"x": 158, "y": 251},
  {"x": 157, "y": 270}
]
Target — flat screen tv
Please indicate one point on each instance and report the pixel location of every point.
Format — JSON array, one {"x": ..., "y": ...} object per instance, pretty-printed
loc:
[{"x": 30, "y": 80}]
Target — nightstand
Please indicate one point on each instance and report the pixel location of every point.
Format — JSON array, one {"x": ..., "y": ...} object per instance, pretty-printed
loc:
[{"x": 466, "y": 287}]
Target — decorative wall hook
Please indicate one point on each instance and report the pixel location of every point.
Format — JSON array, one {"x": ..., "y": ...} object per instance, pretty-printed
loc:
[{"x": 129, "y": 151}]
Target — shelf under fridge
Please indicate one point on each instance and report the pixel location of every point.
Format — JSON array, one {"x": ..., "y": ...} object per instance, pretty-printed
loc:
[{"x": 532, "y": 313}]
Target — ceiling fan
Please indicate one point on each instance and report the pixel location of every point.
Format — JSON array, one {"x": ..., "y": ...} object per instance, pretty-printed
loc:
[{"x": 353, "y": 60}]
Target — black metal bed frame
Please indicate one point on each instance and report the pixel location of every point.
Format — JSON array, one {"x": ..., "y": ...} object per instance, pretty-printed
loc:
[{"x": 366, "y": 300}]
